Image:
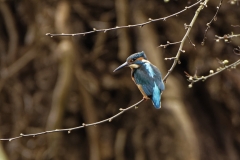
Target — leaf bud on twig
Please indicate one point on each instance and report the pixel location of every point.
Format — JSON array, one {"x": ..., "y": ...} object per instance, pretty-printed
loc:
[{"x": 190, "y": 85}]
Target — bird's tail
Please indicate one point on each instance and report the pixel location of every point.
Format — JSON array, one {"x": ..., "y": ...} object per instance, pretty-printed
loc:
[{"x": 156, "y": 100}]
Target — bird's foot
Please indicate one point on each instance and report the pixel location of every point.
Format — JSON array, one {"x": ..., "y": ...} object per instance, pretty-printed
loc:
[{"x": 145, "y": 98}]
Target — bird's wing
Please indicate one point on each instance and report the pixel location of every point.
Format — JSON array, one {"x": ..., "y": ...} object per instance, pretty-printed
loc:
[
  {"x": 142, "y": 79},
  {"x": 158, "y": 76},
  {"x": 151, "y": 89},
  {"x": 151, "y": 82}
]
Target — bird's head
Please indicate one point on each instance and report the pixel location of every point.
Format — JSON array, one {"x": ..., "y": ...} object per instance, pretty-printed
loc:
[{"x": 134, "y": 61}]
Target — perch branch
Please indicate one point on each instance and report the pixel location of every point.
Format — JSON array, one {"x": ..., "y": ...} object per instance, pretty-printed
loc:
[{"x": 75, "y": 128}]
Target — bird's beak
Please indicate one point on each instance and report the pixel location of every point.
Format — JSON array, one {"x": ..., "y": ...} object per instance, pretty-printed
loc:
[{"x": 121, "y": 66}]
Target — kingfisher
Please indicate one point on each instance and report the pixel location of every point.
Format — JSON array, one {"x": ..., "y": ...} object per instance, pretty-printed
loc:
[{"x": 146, "y": 76}]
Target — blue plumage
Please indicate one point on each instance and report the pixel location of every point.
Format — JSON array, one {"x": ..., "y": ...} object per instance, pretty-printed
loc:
[
  {"x": 146, "y": 76},
  {"x": 156, "y": 99}
]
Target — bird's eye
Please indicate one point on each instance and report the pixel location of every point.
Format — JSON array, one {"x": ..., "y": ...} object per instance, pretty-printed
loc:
[{"x": 132, "y": 60}]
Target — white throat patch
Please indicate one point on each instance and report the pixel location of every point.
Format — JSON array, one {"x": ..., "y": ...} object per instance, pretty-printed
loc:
[{"x": 134, "y": 66}]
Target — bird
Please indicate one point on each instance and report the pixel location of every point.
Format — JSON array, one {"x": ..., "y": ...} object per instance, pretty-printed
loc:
[{"x": 146, "y": 76}]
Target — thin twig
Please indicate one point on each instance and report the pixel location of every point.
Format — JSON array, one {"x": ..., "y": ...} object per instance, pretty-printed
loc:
[
  {"x": 189, "y": 27},
  {"x": 173, "y": 43},
  {"x": 194, "y": 79},
  {"x": 169, "y": 43},
  {"x": 190, "y": 41},
  {"x": 227, "y": 37},
  {"x": 209, "y": 23},
  {"x": 235, "y": 25},
  {"x": 74, "y": 128},
  {"x": 128, "y": 26}
]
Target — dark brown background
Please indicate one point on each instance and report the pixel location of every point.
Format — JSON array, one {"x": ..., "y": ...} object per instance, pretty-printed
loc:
[{"x": 60, "y": 82}]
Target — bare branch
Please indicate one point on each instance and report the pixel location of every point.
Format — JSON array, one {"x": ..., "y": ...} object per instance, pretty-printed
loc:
[
  {"x": 169, "y": 43},
  {"x": 209, "y": 23},
  {"x": 189, "y": 27},
  {"x": 128, "y": 26},
  {"x": 235, "y": 25},
  {"x": 190, "y": 41},
  {"x": 227, "y": 37},
  {"x": 194, "y": 79},
  {"x": 173, "y": 43},
  {"x": 122, "y": 110}
]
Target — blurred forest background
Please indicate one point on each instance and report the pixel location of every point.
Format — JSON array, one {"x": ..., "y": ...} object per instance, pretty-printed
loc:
[{"x": 61, "y": 82}]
